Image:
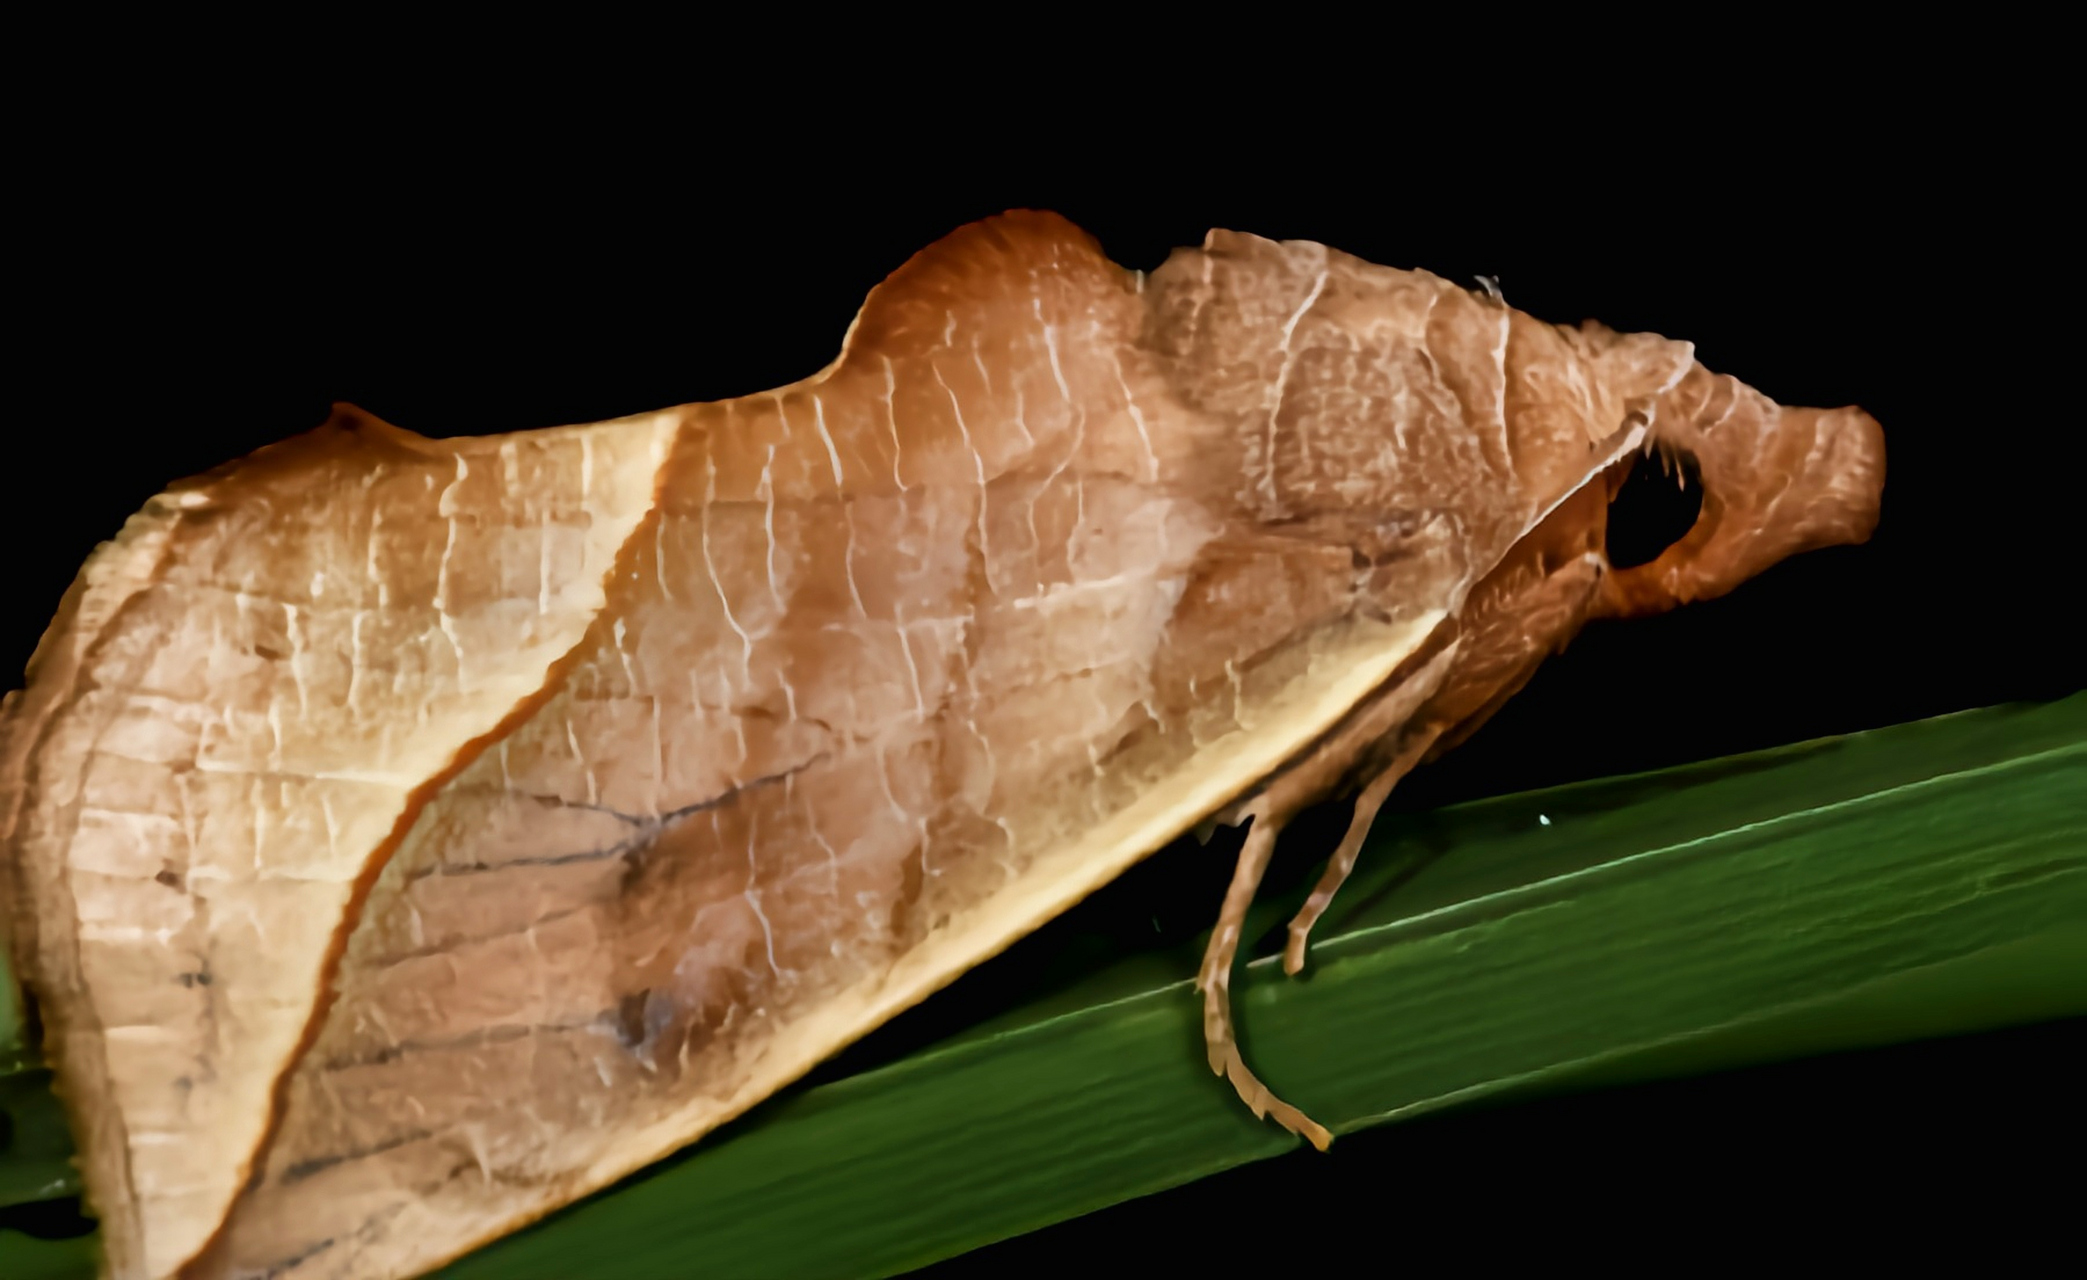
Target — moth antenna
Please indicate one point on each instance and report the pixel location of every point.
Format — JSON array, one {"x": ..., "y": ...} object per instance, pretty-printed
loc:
[
  {"x": 1216, "y": 983},
  {"x": 1490, "y": 285}
]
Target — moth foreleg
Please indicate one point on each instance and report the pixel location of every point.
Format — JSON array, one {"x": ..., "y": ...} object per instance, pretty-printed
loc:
[
  {"x": 1216, "y": 982},
  {"x": 1344, "y": 857},
  {"x": 1302, "y": 783}
]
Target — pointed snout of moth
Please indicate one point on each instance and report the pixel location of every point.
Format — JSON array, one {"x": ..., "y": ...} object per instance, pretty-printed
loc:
[{"x": 1776, "y": 482}]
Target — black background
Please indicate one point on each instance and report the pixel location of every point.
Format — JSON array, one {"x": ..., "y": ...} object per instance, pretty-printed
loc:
[{"x": 206, "y": 281}]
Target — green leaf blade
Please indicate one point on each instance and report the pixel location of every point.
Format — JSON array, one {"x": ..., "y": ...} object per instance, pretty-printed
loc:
[{"x": 1920, "y": 880}]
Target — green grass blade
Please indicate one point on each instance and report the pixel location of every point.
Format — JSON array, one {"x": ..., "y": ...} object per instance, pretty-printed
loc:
[
  {"x": 35, "y": 1146},
  {"x": 1919, "y": 880}
]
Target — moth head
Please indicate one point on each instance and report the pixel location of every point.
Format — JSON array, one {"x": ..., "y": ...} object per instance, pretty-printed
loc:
[{"x": 1776, "y": 481}]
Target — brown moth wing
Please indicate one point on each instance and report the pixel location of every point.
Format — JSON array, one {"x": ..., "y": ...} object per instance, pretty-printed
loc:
[
  {"x": 908, "y": 658},
  {"x": 206, "y": 758},
  {"x": 47, "y": 957},
  {"x": 1053, "y": 563}
]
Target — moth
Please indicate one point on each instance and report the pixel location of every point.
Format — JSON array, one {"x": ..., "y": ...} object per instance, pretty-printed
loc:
[{"x": 405, "y": 837}]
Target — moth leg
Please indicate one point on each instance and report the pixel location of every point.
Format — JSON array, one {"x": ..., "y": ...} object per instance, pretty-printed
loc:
[
  {"x": 1338, "y": 867},
  {"x": 1216, "y": 983},
  {"x": 1413, "y": 748}
]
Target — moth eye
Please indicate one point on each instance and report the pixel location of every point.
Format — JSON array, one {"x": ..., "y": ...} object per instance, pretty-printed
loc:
[{"x": 1655, "y": 509}]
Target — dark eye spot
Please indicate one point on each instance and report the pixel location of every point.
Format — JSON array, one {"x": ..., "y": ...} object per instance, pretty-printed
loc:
[{"x": 630, "y": 1019}]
